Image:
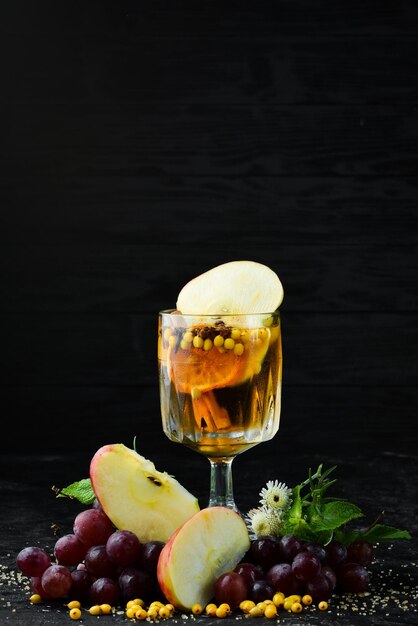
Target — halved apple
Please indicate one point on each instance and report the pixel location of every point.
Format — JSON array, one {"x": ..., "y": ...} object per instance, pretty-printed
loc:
[
  {"x": 137, "y": 497},
  {"x": 237, "y": 287},
  {"x": 209, "y": 544}
]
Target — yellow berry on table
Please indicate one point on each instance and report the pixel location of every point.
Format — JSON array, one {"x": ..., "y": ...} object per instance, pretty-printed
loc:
[
  {"x": 270, "y": 611},
  {"x": 323, "y": 605},
  {"x": 74, "y": 604},
  {"x": 35, "y": 598},
  {"x": 75, "y": 613}
]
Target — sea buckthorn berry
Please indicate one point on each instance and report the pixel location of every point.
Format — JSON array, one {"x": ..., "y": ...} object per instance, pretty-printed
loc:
[
  {"x": 245, "y": 337},
  {"x": 247, "y": 605},
  {"x": 35, "y": 598},
  {"x": 296, "y": 607},
  {"x": 130, "y": 612},
  {"x": 184, "y": 345},
  {"x": 172, "y": 340},
  {"x": 238, "y": 349},
  {"x": 256, "y": 612},
  {"x": 188, "y": 336},
  {"x": 223, "y": 610},
  {"x": 197, "y": 341},
  {"x": 307, "y": 599},
  {"x": 235, "y": 333},
  {"x": 229, "y": 344},
  {"x": 211, "y": 609},
  {"x": 74, "y": 604},
  {"x": 141, "y": 613},
  {"x": 323, "y": 605},
  {"x": 164, "y": 612},
  {"x": 156, "y": 603},
  {"x": 152, "y": 612},
  {"x": 170, "y": 607},
  {"x": 75, "y": 613},
  {"x": 167, "y": 333},
  {"x": 270, "y": 611},
  {"x": 96, "y": 610},
  {"x": 197, "y": 609},
  {"x": 261, "y": 605},
  {"x": 294, "y": 597},
  {"x": 207, "y": 345},
  {"x": 278, "y": 598},
  {"x": 106, "y": 609},
  {"x": 218, "y": 341}
]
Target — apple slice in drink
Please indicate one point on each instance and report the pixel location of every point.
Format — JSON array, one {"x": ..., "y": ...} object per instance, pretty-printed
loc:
[
  {"x": 237, "y": 287},
  {"x": 209, "y": 544},
  {"x": 137, "y": 497}
]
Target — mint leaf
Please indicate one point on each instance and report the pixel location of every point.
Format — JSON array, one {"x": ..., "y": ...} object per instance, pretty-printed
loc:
[
  {"x": 334, "y": 514},
  {"x": 81, "y": 491},
  {"x": 378, "y": 532}
]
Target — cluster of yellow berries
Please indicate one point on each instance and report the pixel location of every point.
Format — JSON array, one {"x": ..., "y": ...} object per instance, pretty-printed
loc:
[
  {"x": 235, "y": 342},
  {"x": 137, "y": 609},
  {"x": 267, "y": 608},
  {"x": 74, "y": 607}
]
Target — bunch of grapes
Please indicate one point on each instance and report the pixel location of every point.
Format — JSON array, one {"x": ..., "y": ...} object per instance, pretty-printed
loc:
[
  {"x": 292, "y": 566},
  {"x": 94, "y": 564}
]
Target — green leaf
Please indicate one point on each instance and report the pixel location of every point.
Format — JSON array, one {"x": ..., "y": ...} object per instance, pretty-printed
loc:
[
  {"x": 378, "y": 532},
  {"x": 81, "y": 490},
  {"x": 334, "y": 514}
]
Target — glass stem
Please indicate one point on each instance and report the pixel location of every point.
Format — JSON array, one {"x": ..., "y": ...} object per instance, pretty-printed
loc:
[{"x": 221, "y": 489}]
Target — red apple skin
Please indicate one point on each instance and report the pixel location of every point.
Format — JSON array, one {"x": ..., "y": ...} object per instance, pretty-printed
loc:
[
  {"x": 164, "y": 579},
  {"x": 163, "y": 561}
]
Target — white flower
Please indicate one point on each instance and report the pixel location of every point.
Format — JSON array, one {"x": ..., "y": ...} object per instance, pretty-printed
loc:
[
  {"x": 264, "y": 521},
  {"x": 276, "y": 495}
]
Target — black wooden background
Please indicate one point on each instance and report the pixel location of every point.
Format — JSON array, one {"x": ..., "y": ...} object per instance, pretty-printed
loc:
[{"x": 145, "y": 142}]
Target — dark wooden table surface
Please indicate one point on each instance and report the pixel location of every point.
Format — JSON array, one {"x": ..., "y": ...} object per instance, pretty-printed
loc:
[
  {"x": 380, "y": 481},
  {"x": 145, "y": 142}
]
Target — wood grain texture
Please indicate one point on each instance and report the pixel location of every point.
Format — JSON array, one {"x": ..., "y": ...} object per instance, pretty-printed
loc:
[
  {"x": 134, "y": 139},
  {"x": 146, "y": 142}
]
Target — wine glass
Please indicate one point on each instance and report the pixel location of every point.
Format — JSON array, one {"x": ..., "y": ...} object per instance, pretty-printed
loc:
[{"x": 220, "y": 387}]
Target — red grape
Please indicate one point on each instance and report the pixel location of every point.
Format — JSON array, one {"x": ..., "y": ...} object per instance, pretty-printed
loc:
[
  {"x": 249, "y": 572},
  {"x": 36, "y": 587},
  {"x": 281, "y": 578},
  {"x": 230, "y": 588},
  {"x": 104, "y": 591},
  {"x": 98, "y": 563},
  {"x": 336, "y": 554},
  {"x": 260, "y": 590},
  {"x": 329, "y": 574},
  {"x": 69, "y": 550},
  {"x": 135, "y": 583},
  {"x": 81, "y": 584},
  {"x": 353, "y": 578},
  {"x": 57, "y": 581},
  {"x": 33, "y": 561},
  {"x": 93, "y": 527},
  {"x": 306, "y": 565},
  {"x": 124, "y": 548},
  {"x": 317, "y": 550},
  {"x": 360, "y": 552},
  {"x": 290, "y": 546},
  {"x": 150, "y": 554},
  {"x": 318, "y": 587},
  {"x": 266, "y": 551}
]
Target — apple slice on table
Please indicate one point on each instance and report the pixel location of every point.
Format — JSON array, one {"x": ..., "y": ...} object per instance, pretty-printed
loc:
[
  {"x": 209, "y": 544},
  {"x": 137, "y": 497},
  {"x": 237, "y": 287}
]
